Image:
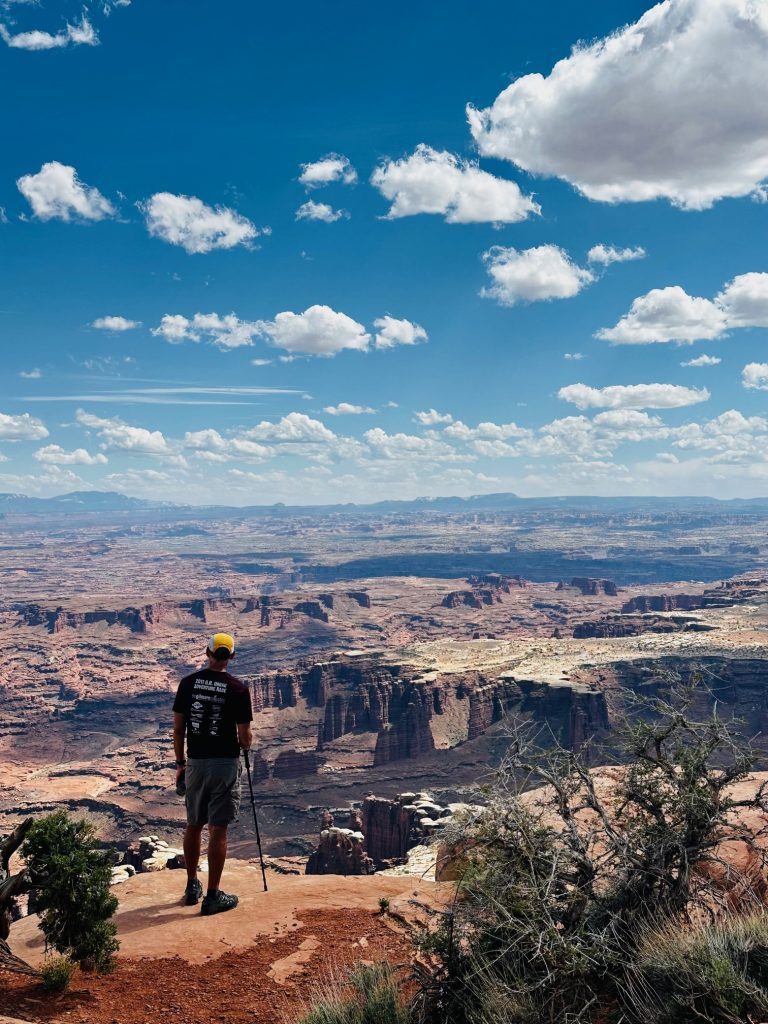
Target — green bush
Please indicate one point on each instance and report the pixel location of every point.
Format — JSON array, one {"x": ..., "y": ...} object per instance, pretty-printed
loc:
[
  {"x": 369, "y": 995},
  {"x": 383, "y": 904},
  {"x": 57, "y": 973},
  {"x": 71, "y": 878},
  {"x": 713, "y": 971}
]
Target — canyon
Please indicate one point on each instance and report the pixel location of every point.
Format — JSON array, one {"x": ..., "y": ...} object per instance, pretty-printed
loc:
[{"x": 363, "y": 688}]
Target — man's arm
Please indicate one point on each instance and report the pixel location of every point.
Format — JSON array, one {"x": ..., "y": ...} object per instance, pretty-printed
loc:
[
  {"x": 179, "y": 729},
  {"x": 244, "y": 735}
]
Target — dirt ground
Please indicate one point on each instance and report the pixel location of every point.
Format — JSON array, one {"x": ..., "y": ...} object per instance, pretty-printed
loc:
[{"x": 258, "y": 964}]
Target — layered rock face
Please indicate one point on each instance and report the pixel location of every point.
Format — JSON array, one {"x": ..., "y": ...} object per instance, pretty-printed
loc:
[
  {"x": 724, "y": 595},
  {"x": 614, "y": 626},
  {"x": 739, "y": 685},
  {"x": 400, "y": 707},
  {"x": 592, "y": 587},
  {"x": 341, "y": 851},
  {"x": 486, "y": 588}
]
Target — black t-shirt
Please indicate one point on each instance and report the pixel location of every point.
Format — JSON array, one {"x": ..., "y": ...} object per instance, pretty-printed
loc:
[{"x": 214, "y": 704}]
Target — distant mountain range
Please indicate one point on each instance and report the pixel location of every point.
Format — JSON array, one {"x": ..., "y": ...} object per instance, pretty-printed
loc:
[{"x": 111, "y": 501}]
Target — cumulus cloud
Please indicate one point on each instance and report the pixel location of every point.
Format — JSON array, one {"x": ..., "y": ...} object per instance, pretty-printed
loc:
[
  {"x": 319, "y": 211},
  {"x": 318, "y": 331},
  {"x": 674, "y": 106},
  {"x": 412, "y": 447},
  {"x": 54, "y": 454},
  {"x": 530, "y": 275},
  {"x": 702, "y": 361},
  {"x": 56, "y": 193},
  {"x": 667, "y": 314},
  {"x": 115, "y": 323},
  {"x": 434, "y": 181},
  {"x": 197, "y": 228},
  {"x": 294, "y": 429},
  {"x": 80, "y": 34},
  {"x": 347, "y": 409},
  {"x": 633, "y": 396},
  {"x": 573, "y": 356},
  {"x": 210, "y": 446},
  {"x": 117, "y": 434},
  {"x": 391, "y": 332},
  {"x": 33, "y": 374},
  {"x": 21, "y": 427},
  {"x": 744, "y": 301},
  {"x": 328, "y": 169},
  {"x": 607, "y": 254},
  {"x": 432, "y": 417},
  {"x": 731, "y": 436},
  {"x": 670, "y": 314},
  {"x": 226, "y": 332},
  {"x": 487, "y": 431},
  {"x": 755, "y": 376}
]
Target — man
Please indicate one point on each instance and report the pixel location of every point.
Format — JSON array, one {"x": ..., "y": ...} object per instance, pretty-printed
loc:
[{"x": 213, "y": 708}]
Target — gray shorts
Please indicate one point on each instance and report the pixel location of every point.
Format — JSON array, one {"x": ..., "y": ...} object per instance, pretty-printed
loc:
[{"x": 213, "y": 790}]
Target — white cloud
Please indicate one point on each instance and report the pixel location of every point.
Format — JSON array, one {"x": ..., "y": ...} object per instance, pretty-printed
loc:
[
  {"x": 295, "y": 428},
  {"x": 667, "y": 314},
  {"x": 116, "y": 434},
  {"x": 328, "y": 169},
  {"x": 573, "y": 356},
  {"x": 347, "y": 409},
  {"x": 209, "y": 445},
  {"x": 22, "y": 427},
  {"x": 434, "y": 181},
  {"x": 607, "y": 254},
  {"x": 702, "y": 361},
  {"x": 633, "y": 396},
  {"x": 197, "y": 228},
  {"x": 674, "y": 106},
  {"x": 115, "y": 323},
  {"x": 318, "y": 331},
  {"x": 744, "y": 300},
  {"x": 319, "y": 211},
  {"x": 731, "y": 436},
  {"x": 80, "y": 34},
  {"x": 393, "y": 332},
  {"x": 530, "y": 275},
  {"x": 226, "y": 332},
  {"x": 670, "y": 314},
  {"x": 432, "y": 417},
  {"x": 755, "y": 376},
  {"x": 261, "y": 362},
  {"x": 412, "y": 447},
  {"x": 56, "y": 193},
  {"x": 484, "y": 431},
  {"x": 34, "y": 374},
  {"x": 54, "y": 454}
]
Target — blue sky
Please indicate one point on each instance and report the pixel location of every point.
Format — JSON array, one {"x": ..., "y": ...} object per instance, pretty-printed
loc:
[{"x": 255, "y": 253}]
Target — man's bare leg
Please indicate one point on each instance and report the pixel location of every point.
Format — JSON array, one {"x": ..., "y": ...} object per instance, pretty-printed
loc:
[
  {"x": 192, "y": 850},
  {"x": 217, "y": 854}
]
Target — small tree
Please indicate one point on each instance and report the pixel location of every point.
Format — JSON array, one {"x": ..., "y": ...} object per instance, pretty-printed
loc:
[{"x": 71, "y": 879}]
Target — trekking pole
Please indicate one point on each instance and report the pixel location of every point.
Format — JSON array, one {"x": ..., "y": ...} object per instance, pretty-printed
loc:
[{"x": 255, "y": 819}]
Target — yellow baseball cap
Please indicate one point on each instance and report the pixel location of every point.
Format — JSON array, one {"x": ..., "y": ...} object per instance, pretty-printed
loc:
[{"x": 219, "y": 640}]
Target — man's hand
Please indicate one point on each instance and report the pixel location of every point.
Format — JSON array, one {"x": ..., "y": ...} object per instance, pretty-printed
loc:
[
  {"x": 244, "y": 735},
  {"x": 180, "y": 772}
]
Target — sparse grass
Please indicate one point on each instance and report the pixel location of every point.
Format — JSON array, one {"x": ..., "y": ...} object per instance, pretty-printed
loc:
[
  {"x": 57, "y": 973},
  {"x": 712, "y": 971},
  {"x": 367, "y": 995}
]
